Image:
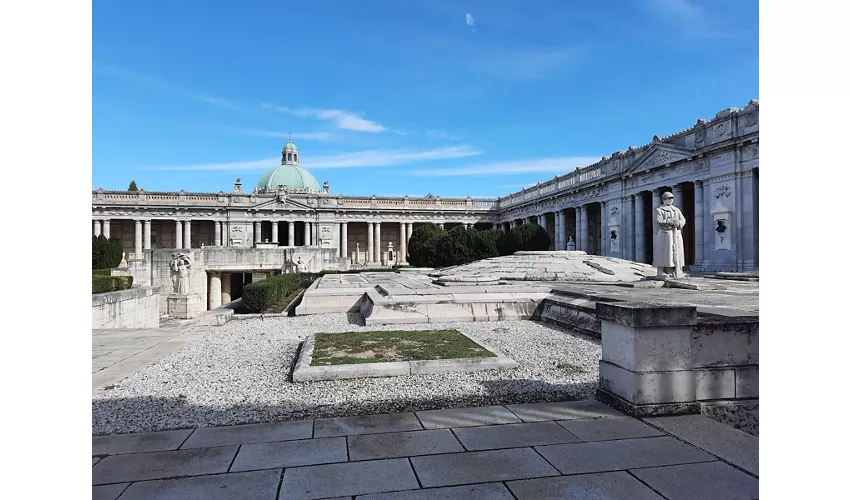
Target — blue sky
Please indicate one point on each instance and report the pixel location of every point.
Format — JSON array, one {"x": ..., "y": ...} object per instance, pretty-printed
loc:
[{"x": 392, "y": 97}]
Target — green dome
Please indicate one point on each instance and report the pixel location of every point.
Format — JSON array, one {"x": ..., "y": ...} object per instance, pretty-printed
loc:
[
  {"x": 289, "y": 146},
  {"x": 293, "y": 177}
]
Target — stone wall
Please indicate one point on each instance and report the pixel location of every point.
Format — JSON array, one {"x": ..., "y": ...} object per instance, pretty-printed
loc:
[{"x": 136, "y": 307}]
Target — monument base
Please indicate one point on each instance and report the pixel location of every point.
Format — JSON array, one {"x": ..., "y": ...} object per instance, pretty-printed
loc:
[
  {"x": 184, "y": 306},
  {"x": 647, "y": 410}
]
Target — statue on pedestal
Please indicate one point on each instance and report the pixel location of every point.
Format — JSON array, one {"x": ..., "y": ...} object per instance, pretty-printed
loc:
[
  {"x": 668, "y": 246},
  {"x": 181, "y": 269}
]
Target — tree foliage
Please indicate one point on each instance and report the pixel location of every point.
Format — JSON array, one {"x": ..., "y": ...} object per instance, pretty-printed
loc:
[
  {"x": 132, "y": 187},
  {"x": 422, "y": 248},
  {"x": 527, "y": 237},
  {"x": 105, "y": 254}
]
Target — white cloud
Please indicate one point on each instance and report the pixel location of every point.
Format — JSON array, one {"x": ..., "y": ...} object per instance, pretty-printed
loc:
[
  {"x": 440, "y": 134},
  {"x": 470, "y": 21},
  {"x": 344, "y": 120},
  {"x": 559, "y": 166},
  {"x": 361, "y": 159},
  {"x": 159, "y": 84}
]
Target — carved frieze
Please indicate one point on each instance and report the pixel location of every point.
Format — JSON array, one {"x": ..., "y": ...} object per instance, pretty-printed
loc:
[{"x": 722, "y": 191}]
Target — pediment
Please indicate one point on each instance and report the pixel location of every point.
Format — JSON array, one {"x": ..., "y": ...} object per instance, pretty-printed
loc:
[
  {"x": 658, "y": 154},
  {"x": 282, "y": 203}
]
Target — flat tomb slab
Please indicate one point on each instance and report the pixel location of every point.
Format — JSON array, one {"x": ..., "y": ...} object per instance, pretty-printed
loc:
[{"x": 334, "y": 356}]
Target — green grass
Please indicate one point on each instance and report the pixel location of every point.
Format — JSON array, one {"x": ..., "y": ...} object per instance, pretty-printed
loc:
[{"x": 396, "y": 345}]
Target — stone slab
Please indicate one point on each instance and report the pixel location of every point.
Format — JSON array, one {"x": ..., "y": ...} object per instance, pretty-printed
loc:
[
  {"x": 480, "y": 467},
  {"x": 461, "y": 365},
  {"x": 249, "y": 433},
  {"x": 641, "y": 315},
  {"x": 486, "y": 491},
  {"x": 162, "y": 464},
  {"x": 705, "y": 481},
  {"x": 466, "y": 417},
  {"x": 115, "y": 444},
  {"x": 602, "y": 486},
  {"x": 402, "y": 444},
  {"x": 257, "y": 485},
  {"x": 540, "y": 412},
  {"x": 108, "y": 491},
  {"x": 368, "y": 424},
  {"x": 730, "y": 444},
  {"x": 354, "y": 478},
  {"x": 606, "y": 456},
  {"x": 513, "y": 436},
  {"x": 605, "y": 429},
  {"x": 290, "y": 454}
]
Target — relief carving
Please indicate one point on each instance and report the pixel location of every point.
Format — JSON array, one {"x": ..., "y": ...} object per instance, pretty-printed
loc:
[{"x": 722, "y": 191}]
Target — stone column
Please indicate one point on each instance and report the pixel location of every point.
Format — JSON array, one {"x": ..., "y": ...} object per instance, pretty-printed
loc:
[
  {"x": 578, "y": 228},
  {"x": 147, "y": 231},
  {"x": 106, "y": 229},
  {"x": 214, "y": 294},
  {"x": 627, "y": 228},
  {"x": 290, "y": 234},
  {"x": 378, "y": 257},
  {"x": 409, "y": 231},
  {"x": 677, "y": 194},
  {"x": 306, "y": 233},
  {"x": 699, "y": 238},
  {"x": 402, "y": 243},
  {"x": 370, "y": 243},
  {"x": 187, "y": 234},
  {"x": 640, "y": 243},
  {"x": 96, "y": 228},
  {"x": 138, "y": 246},
  {"x": 178, "y": 234},
  {"x": 258, "y": 232},
  {"x": 559, "y": 230},
  {"x": 585, "y": 235},
  {"x": 274, "y": 232},
  {"x": 225, "y": 233},
  {"x": 543, "y": 223},
  {"x": 217, "y": 240},
  {"x": 605, "y": 238},
  {"x": 656, "y": 202},
  {"x": 225, "y": 289},
  {"x": 344, "y": 248}
]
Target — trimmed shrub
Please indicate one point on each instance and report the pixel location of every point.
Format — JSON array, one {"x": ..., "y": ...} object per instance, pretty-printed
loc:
[
  {"x": 422, "y": 249},
  {"x": 485, "y": 244},
  {"x": 453, "y": 247},
  {"x": 101, "y": 283},
  {"x": 105, "y": 254},
  {"x": 259, "y": 296},
  {"x": 527, "y": 237},
  {"x": 102, "y": 272}
]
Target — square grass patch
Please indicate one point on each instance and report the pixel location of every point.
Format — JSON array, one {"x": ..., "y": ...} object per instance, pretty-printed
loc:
[{"x": 392, "y": 346}]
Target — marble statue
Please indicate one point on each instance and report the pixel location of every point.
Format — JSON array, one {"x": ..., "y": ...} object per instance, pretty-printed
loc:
[
  {"x": 181, "y": 268},
  {"x": 300, "y": 267},
  {"x": 668, "y": 246},
  {"x": 123, "y": 263}
]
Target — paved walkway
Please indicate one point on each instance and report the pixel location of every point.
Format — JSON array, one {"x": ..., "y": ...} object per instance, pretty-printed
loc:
[{"x": 576, "y": 450}]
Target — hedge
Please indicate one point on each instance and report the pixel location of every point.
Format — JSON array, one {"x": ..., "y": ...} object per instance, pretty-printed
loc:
[
  {"x": 527, "y": 237},
  {"x": 101, "y": 283},
  {"x": 259, "y": 296},
  {"x": 105, "y": 254}
]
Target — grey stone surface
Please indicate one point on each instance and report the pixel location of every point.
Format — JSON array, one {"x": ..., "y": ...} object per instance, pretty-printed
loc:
[
  {"x": 741, "y": 415},
  {"x": 256, "y": 485},
  {"x": 639, "y": 315},
  {"x": 603, "y": 429},
  {"x": 355, "y": 478},
  {"x": 603, "y": 456},
  {"x": 480, "y": 467},
  {"x": 290, "y": 454},
  {"x": 602, "y": 486},
  {"x": 513, "y": 435},
  {"x": 705, "y": 481},
  {"x": 486, "y": 491},
  {"x": 466, "y": 417},
  {"x": 107, "y": 491},
  {"x": 368, "y": 424},
  {"x": 162, "y": 464},
  {"x": 249, "y": 433},
  {"x": 95, "y": 460},
  {"x": 734, "y": 446},
  {"x": 402, "y": 444},
  {"x": 539, "y": 412},
  {"x": 139, "y": 442}
]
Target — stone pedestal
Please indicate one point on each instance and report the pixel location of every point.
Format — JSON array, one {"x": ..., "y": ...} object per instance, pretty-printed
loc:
[{"x": 185, "y": 306}]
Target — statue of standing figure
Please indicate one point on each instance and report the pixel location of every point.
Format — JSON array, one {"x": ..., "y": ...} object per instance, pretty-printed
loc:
[
  {"x": 181, "y": 267},
  {"x": 668, "y": 246}
]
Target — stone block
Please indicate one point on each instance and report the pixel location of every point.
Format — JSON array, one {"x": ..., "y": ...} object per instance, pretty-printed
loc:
[
  {"x": 162, "y": 464},
  {"x": 486, "y": 491},
  {"x": 108, "y": 491},
  {"x": 466, "y": 417},
  {"x": 606, "y": 429},
  {"x": 701, "y": 481},
  {"x": 513, "y": 436},
  {"x": 368, "y": 424},
  {"x": 747, "y": 382},
  {"x": 464, "y": 365},
  {"x": 347, "y": 479},
  {"x": 402, "y": 444},
  {"x": 480, "y": 467},
  {"x": 290, "y": 454},
  {"x": 256, "y": 485},
  {"x": 249, "y": 433},
  {"x": 715, "y": 384},
  {"x": 185, "y": 306},
  {"x": 115, "y": 444},
  {"x": 540, "y": 412},
  {"x": 647, "y": 388},
  {"x": 604, "y": 456},
  {"x": 646, "y": 349},
  {"x": 729, "y": 342},
  {"x": 606, "y": 485},
  {"x": 637, "y": 314}
]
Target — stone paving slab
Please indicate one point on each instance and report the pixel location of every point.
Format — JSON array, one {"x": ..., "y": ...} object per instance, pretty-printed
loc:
[
  {"x": 162, "y": 464},
  {"x": 486, "y": 491},
  {"x": 539, "y": 412},
  {"x": 480, "y": 467},
  {"x": 369, "y": 424},
  {"x": 257, "y": 485},
  {"x": 402, "y": 444},
  {"x": 466, "y": 417},
  {"x": 602, "y": 486},
  {"x": 115, "y": 444},
  {"x": 354, "y": 478},
  {"x": 705, "y": 481},
  {"x": 730, "y": 444},
  {"x": 290, "y": 454},
  {"x": 603, "y": 429},
  {"x": 249, "y": 433},
  {"x": 95, "y": 460},
  {"x": 604, "y": 456},
  {"x": 513, "y": 436},
  {"x": 108, "y": 491}
]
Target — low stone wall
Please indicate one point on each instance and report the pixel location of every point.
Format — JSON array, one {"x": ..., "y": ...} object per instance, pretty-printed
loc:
[{"x": 137, "y": 307}]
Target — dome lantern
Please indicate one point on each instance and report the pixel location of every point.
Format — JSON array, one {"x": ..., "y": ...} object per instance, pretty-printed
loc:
[{"x": 288, "y": 175}]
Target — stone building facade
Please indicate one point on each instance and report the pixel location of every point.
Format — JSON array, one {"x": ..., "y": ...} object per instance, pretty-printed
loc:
[{"x": 604, "y": 209}]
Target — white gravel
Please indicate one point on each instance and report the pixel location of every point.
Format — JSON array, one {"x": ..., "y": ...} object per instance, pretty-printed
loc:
[{"x": 241, "y": 373}]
